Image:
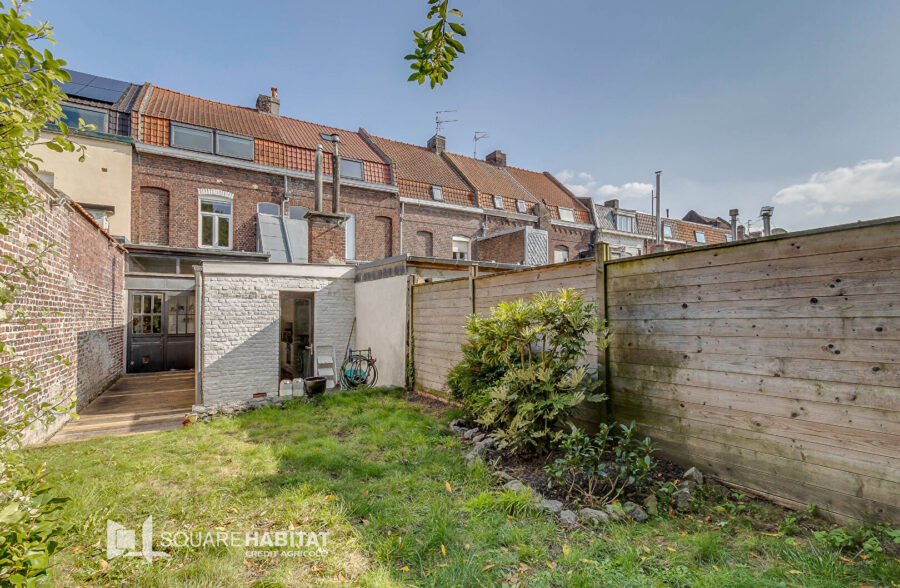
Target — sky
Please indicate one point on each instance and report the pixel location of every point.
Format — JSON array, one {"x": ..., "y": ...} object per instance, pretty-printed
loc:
[{"x": 794, "y": 104}]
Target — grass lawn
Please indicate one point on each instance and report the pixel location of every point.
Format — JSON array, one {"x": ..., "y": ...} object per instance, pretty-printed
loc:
[{"x": 388, "y": 482}]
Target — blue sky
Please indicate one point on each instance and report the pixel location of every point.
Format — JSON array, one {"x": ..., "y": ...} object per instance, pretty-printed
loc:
[{"x": 740, "y": 104}]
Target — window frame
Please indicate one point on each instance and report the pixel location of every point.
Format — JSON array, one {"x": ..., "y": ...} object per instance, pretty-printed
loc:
[
  {"x": 729, "y": 238},
  {"x": 73, "y": 125},
  {"x": 437, "y": 193},
  {"x": 461, "y": 239},
  {"x": 350, "y": 236},
  {"x": 561, "y": 249},
  {"x": 699, "y": 236},
  {"x": 259, "y": 210},
  {"x": 521, "y": 207},
  {"x": 671, "y": 234},
  {"x": 570, "y": 211},
  {"x": 631, "y": 221},
  {"x": 498, "y": 202},
  {"x": 217, "y": 134},
  {"x": 177, "y": 125},
  {"x": 217, "y": 199},
  {"x": 362, "y": 170}
]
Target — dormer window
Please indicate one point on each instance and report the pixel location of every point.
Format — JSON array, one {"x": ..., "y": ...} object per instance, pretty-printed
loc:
[
  {"x": 351, "y": 169},
  {"x": 498, "y": 202},
  {"x": 71, "y": 114},
  {"x": 625, "y": 223},
  {"x": 193, "y": 138},
  {"x": 566, "y": 214},
  {"x": 437, "y": 193},
  {"x": 520, "y": 207},
  {"x": 700, "y": 236},
  {"x": 667, "y": 231}
]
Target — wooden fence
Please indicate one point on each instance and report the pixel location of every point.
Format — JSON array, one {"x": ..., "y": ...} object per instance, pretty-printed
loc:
[{"x": 773, "y": 364}]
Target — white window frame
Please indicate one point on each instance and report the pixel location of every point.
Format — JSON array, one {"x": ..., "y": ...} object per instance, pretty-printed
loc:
[
  {"x": 437, "y": 193},
  {"x": 560, "y": 249},
  {"x": 459, "y": 239},
  {"x": 498, "y": 202},
  {"x": 567, "y": 212},
  {"x": 728, "y": 238},
  {"x": 671, "y": 234},
  {"x": 520, "y": 207},
  {"x": 631, "y": 220},
  {"x": 221, "y": 197},
  {"x": 350, "y": 237},
  {"x": 699, "y": 236}
]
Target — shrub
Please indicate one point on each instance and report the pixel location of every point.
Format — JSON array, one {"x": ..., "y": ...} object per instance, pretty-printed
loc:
[
  {"x": 28, "y": 529},
  {"x": 519, "y": 376},
  {"x": 601, "y": 467}
]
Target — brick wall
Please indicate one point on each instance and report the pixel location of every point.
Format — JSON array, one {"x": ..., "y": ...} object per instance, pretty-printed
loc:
[
  {"x": 507, "y": 247},
  {"x": 83, "y": 294},
  {"x": 326, "y": 239},
  {"x": 241, "y": 318},
  {"x": 182, "y": 178},
  {"x": 576, "y": 240}
]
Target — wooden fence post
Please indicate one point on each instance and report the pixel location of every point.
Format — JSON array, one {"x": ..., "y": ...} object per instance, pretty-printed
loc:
[{"x": 601, "y": 256}]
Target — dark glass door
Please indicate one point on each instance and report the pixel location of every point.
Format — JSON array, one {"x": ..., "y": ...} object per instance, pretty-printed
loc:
[{"x": 162, "y": 332}]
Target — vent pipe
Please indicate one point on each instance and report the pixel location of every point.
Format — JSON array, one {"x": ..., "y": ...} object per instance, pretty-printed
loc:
[
  {"x": 766, "y": 214},
  {"x": 659, "y": 230},
  {"x": 318, "y": 170},
  {"x": 733, "y": 213},
  {"x": 335, "y": 171}
]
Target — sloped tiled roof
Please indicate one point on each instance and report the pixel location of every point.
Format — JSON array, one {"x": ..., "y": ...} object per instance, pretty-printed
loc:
[
  {"x": 168, "y": 104},
  {"x": 489, "y": 179},
  {"x": 419, "y": 164},
  {"x": 681, "y": 230},
  {"x": 548, "y": 192}
]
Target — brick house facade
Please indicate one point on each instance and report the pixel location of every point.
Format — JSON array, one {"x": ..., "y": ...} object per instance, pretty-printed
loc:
[{"x": 79, "y": 301}]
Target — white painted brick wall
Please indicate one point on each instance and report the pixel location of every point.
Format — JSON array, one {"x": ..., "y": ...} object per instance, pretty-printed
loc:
[{"x": 241, "y": 318}]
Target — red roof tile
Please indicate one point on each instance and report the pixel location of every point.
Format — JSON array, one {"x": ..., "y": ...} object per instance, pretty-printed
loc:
[
  {"x": 489, "y": 179},
  {"x": 419, "y": 164}
]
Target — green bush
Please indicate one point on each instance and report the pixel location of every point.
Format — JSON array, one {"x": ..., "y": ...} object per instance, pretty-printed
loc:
[
  {"x": 28, "y": 529},
  {"x": 520, "y": 376},
  {"x": 601, "y": 467}
]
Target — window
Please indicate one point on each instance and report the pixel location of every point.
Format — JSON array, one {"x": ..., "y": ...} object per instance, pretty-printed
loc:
[
  {"x": 234, "y": 145},
  {"x": 268, "y": 208},
  {"x": 700, "y": 236},
  {"x": 667, "y": 231},
  {"x": 566, "y": 214},
  {"x": 460, "y": 247},
  {"x": 191, "y": 138},
  {"x": 560, "y": 254},
  {"x": 351, "y": 168},
  {"x": 625, "y": 223},
  {"x": 520, "y": 206},
  {"x": 215, "y": 223},
  {"x": 437, "y": 193},
  {"x": 728, "y": 238},
  {"x": 350, "y": 237},
  {"x": 498, "y": 202},
  {"x": 71, "y": 114},
  {"x": 146, "y": 314},
  {"x": 181, "y": 315},
  {"x": 101, "y": 216}
]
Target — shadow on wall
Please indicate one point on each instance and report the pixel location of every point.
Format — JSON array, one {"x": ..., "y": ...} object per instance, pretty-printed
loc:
[
  {"x": 98, "y": 363},
  {"x": 236, "y": 370}
]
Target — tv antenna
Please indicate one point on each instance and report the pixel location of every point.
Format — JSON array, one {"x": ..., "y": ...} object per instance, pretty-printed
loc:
[
  {"x": 439, "y": 122},
  {"x": 479, "y": 135}
]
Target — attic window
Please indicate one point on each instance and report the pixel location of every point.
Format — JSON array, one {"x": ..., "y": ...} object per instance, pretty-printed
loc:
[
  {"x": 437, "y": 193},
  {"x": 498, "y": 202},
  {"x": 667, "y": 231},
  {"x": 268, "y": 208},
  {"x": 700, "y": 236},
  {"x": 71, "y": 114},
  {"x": 520, "y": 206},
  {"x": 234, "y": 145},
  {"x": 625, "y": 223},
  {"x": 566, "y": 214},
  {"x": 192, "y": 138},
  {"x": 351, "y": 168}
]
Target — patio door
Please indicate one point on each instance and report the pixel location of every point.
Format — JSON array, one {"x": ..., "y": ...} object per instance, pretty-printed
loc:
[{"x": 161, "y": 336}]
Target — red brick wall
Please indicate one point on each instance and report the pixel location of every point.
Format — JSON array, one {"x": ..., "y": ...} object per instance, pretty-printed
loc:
[
  {"x": 83, "y": 294},
  {"x": 577, "y": 240},
  {"x": 151, "y": 224},
  {"x": 326, "y": 239},
  {"x": 182, "y": 178},
  {"x": 505, "y": 248}
]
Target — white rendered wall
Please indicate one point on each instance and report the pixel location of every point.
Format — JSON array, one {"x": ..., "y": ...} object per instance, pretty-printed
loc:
[{"x": 381, "y": 325}]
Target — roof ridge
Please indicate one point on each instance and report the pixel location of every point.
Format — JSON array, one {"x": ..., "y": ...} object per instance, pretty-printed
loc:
[{"x": 400, "y": 142}]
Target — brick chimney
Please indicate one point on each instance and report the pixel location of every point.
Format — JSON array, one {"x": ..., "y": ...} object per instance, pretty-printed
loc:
[
  {"x": 614, "y": 203},
  {"x": 497, "y": 158},
  {"x": 268, "y": 104},
  {"x": 438, "y": 144}
]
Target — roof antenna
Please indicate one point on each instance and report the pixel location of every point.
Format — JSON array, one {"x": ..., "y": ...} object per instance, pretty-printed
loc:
[
  {"x": 479, "y": 135},
  {"x": 439, "y": 122}
]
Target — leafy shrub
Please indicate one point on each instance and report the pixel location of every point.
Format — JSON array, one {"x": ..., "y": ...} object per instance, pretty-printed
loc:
[
  {"x": 609, "y": 462},
  {"x": 519, "y": 376},
  {"x": 861, "y": 538},
  {"x": 28, "y": 531}
]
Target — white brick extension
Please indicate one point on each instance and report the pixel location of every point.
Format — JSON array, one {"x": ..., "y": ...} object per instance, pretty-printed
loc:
[{"x": 240, "y": 321}]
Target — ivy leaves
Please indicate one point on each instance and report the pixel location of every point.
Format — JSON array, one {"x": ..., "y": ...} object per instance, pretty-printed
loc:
[{"x": 436, "y": 45}]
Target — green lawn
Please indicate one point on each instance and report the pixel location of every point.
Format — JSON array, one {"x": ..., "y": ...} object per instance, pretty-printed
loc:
[{"x": 388, "y": 482}]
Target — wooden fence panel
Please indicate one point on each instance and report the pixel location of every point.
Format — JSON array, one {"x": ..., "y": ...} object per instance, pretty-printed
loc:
[
  {"x": 439, "y": 311},
  {"x": 774, "y": 365}
]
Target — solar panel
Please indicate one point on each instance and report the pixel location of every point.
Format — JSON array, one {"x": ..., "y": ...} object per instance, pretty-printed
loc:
[{"x": 93, "y": 87}]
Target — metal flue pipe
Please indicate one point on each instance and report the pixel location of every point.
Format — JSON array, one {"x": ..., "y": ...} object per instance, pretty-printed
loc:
[
  {"x": 659, "y": 227},
  {"x": 318, "y": 173}
]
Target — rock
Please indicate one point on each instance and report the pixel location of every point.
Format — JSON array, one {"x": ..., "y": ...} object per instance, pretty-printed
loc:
[
  {"x": 516, "y": 486},
  {"x": 551, "y": 505},
  {"x": 501, "y": 476},
  {"x": 568, "y": 518},
  {"x": 635, "y": 512},
  {"x": 615, "y": 512},
  {"x": 455, "y": 423},
  {"x": 488, "y": 442},
  {"x": 590, "y": 515},
  {"x": 470, "y": 433},
  {"x": 651, "y": 504},
  {"x": 477, "y": 451},
  {"x": 694, "y": 475},
  {"x": 478, "y": 438},
  {"x": 682, "y": 499}
]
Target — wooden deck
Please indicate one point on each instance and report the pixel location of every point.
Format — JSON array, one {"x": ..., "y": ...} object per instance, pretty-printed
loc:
[{"x": 140, "y": 403}]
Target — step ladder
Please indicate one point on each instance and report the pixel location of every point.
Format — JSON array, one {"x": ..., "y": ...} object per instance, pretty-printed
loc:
[{"x": 325, "y": 366}]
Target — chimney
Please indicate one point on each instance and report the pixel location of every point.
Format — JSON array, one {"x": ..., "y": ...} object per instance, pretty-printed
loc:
[
  {"x": 614, "y": 203},
  {"x": 268, "y": 104},
  {"x": 733, "y": 213},
  {"x": 438, "y": 144},
  {"x": 766, "y": 214},
  {"x": 497, "y": 158},
  {"x": 318, "y": 177}
]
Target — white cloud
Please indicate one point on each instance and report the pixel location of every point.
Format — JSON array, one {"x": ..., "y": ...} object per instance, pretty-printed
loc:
[
  {"x": 584, "y": 184},
  {"x": 839, "y": 189}
]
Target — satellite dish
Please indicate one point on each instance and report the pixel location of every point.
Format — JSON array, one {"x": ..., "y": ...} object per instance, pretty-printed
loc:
[{"x": 778, "y": 231}]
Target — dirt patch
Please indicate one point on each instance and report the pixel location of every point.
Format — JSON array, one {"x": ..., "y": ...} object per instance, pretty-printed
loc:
[{"x": 430, "y": 403}]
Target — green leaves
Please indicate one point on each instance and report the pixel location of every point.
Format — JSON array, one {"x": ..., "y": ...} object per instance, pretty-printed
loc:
[{"x": 436, "y": 45}]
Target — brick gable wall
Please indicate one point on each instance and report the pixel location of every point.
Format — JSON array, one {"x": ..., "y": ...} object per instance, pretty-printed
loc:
[
  {"x": 505, "y": 248},
  {"x": 83, "y": 292}
]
